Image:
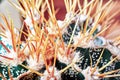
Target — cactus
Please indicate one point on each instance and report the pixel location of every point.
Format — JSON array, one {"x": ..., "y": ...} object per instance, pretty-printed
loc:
[{"x": 71, "y": 49}]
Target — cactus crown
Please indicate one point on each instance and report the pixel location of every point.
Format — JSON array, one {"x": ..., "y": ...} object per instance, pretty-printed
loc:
[{"x": 75, "y": 48}]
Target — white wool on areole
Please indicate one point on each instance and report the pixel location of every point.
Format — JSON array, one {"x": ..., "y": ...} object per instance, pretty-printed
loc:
[
  {"x": 57, "y": 74},
  {"x": 114, "y": 49},
  {"x": 87, "y": 74},
  {"x": 34, "y": 63}
]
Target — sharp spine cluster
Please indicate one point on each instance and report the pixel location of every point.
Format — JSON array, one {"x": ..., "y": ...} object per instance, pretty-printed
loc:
[{"x": 72, "y": 49}]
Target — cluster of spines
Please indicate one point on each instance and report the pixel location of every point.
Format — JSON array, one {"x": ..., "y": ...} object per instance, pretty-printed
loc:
[{"x": 41, "y": 41}]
